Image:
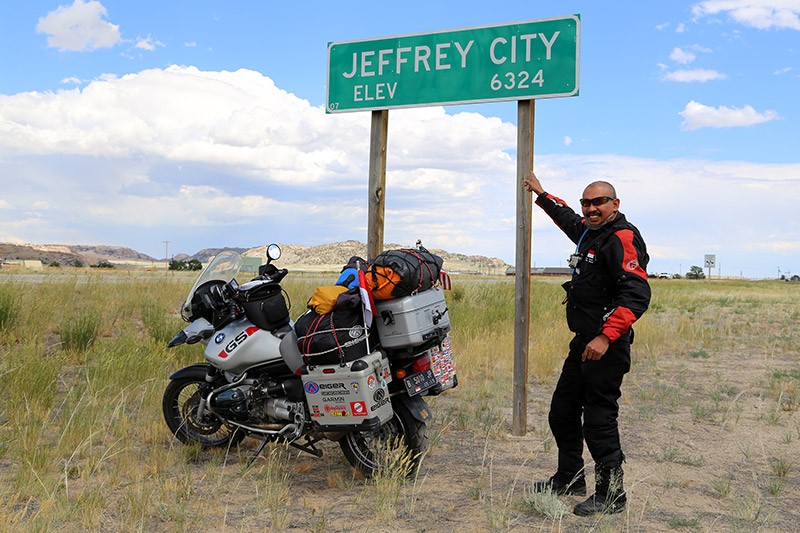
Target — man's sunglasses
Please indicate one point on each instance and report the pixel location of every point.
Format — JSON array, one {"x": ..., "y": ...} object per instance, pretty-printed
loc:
[{"x": 600, "y": 200}]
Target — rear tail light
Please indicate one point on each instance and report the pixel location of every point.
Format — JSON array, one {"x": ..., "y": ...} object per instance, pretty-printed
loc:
[{"x": 421, "y": 364}]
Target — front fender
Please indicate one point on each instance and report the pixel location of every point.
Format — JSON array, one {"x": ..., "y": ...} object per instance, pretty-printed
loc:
[
  {"x": 197, "y": 370},
  {"x": 416, "y": 406}
]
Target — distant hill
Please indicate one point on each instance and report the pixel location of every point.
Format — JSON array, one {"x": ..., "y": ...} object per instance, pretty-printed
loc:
[
  {"x": 68, "y": 253},
  {"x": 335, "y": 255},
  {"x": 330, "y": 257},
  {"x": 205, "y": 255}
]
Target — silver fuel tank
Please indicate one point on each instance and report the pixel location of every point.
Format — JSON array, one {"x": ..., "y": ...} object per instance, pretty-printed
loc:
[{"x": 240, "y": 345}]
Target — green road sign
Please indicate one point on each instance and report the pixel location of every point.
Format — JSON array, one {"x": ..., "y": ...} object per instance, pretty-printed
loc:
[{"x": 516, "y": 61}]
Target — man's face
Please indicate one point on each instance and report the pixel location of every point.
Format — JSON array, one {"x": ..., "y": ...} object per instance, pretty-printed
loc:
[{"x": 597, "y": 214}]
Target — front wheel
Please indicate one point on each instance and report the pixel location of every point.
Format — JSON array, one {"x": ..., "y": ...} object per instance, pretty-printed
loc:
[
  {"x": 180, "y": 403},
  {"x": 398, "y": 444}
]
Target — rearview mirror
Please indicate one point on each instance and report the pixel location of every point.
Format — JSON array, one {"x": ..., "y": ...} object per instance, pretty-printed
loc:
[{"x": 273, "y": 252}]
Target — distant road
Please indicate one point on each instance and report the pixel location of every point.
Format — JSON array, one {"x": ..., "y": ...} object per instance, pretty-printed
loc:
[
  {"x": 86, "y": 276},
  {"x": 119, "y": 276}
]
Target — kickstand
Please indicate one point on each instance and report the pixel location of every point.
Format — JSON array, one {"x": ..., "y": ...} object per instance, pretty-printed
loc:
[
  {"x": 308, "y": 447},
  {"x": 257, "y": 452}
]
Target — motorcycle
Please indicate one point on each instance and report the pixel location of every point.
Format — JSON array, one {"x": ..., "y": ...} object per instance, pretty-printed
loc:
[{"x": 256, "y": 382}]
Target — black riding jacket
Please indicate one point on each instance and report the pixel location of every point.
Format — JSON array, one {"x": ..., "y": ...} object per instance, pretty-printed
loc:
[{"x": 608, "y": 291}]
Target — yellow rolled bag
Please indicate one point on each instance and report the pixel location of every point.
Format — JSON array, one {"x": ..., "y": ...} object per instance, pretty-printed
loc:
[{"x": 324, "y": 299}]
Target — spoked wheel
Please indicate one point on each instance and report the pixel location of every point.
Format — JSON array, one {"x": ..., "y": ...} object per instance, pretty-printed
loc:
[
  {"x": 400, "y": 443},
  {"x": 181, "y": 399}
]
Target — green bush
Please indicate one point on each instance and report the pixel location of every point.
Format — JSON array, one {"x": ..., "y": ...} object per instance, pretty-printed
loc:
[
  {"x": 79, "y": 331},
  {"x": 695, "y": 273},
  {"x": 192, "y": 264},
  {"x": 8, "y": 307}
]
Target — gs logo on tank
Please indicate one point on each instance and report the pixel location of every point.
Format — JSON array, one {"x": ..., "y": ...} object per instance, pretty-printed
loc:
[{"x": 237, "y": 341}]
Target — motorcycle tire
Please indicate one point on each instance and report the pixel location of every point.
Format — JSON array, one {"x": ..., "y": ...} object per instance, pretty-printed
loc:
[
  {"x": 366, "y": 450},
  {"x": 179, "y": 405}
]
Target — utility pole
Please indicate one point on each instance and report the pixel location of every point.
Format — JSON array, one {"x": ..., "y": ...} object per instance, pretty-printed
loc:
[{"x": 166, "y": 254}]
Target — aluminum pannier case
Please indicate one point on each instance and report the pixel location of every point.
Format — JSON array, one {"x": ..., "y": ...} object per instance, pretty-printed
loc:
[
  {"x": 354, "y": 395},
  {"x": 412, "y": 320}
]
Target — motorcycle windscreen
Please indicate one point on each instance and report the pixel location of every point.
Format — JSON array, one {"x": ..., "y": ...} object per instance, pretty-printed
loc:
[{"x": 224, "y": 267}]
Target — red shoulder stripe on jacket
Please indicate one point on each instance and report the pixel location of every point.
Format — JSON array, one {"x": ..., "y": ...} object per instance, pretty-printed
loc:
[
  {"x": 630, "y": 258},
  {"x": 557, "y": 202},
  {"x": 620, "y": 320}
]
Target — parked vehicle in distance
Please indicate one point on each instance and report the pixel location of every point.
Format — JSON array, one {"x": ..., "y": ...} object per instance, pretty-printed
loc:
[{"x": 664, "y": 275}]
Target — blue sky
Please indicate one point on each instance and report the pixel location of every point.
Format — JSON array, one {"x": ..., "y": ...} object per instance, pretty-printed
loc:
[{"x": 202, "y": 123}]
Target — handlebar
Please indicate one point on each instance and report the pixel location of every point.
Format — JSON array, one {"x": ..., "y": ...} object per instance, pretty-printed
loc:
[
  {"x": 279, "y": 275},
  {"x": 274, "y": 276}
]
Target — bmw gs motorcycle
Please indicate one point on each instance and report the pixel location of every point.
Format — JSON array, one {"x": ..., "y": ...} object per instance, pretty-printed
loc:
[{"x": 256, "y": 382}]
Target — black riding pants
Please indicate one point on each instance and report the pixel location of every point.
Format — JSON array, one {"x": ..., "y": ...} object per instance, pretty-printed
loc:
[{"x": 589, "y": 390}]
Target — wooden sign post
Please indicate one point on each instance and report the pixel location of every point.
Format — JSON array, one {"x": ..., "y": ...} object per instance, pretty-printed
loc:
[
  {"x": 522, "y": 275},
  {"x": 376, "y": 199}
]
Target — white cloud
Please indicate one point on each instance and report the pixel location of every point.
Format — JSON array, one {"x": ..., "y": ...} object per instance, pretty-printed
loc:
[
  {"x": 229, "y": 159},
  {"x": 663, "y": 26},
  {"x": 159, "y": 148},
  {"x": 190, "y": 45},
  {"x": 775, "y": 246},
  {"x": 782, "y": 71},
  {"x": 761, "y": 14},
  {"x": 696, "y": 115},
  {"x": 681, "y": 28},
  {"x": 79, "y": 27},
  {"x": 697, "y": 74},
  {"x": 72, "y": 80},
  {"x": 567, "y": 140},
  {"x": 682, "y": 56},
  {"x": 148, "y": 43}
]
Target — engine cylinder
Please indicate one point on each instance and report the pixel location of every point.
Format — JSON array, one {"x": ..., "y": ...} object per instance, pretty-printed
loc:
[{"x": 231, "y": 403}]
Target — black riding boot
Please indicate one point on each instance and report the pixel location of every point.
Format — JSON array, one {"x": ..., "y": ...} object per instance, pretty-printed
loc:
[
  {"x": 563, "y": 484},
  {"x": 609, "y": 494}
]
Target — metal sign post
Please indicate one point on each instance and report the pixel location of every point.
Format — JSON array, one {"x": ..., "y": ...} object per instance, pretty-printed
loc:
[{"x": 711, "y": 262}]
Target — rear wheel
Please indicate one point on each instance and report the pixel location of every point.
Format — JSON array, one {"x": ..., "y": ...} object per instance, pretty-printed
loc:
[
  {"x": 398, "y": 444},
  {"x": 180, "y": 404}
]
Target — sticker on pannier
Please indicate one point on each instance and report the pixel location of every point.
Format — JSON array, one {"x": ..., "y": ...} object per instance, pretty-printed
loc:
[{"x": 443, "y": 365}]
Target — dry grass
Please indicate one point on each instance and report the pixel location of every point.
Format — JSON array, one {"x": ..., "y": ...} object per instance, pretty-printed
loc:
[{"x": 709, "y": 420}]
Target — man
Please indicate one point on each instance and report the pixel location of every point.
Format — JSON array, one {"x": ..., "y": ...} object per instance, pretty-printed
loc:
[{"x": 608, "y": 292}]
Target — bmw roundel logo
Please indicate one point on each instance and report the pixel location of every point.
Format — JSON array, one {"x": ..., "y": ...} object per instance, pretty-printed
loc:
[
  {"x": 311, "y": 387},
  {"x": 219, "y": 338}
]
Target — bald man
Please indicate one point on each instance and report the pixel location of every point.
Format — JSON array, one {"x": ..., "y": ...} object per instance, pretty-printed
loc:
[{"x": 608, "y": 292}]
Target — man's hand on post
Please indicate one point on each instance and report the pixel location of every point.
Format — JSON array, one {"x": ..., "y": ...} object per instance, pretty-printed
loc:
[
  {"x": 532, "y": 184},
  {"x": 596, "y": 348}
]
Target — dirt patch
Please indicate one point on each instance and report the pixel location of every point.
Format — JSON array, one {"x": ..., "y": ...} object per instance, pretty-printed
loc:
[{"x": 710, "y": 443}]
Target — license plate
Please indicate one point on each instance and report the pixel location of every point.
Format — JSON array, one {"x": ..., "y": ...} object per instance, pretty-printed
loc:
[{"x": 420, "y": 382}]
